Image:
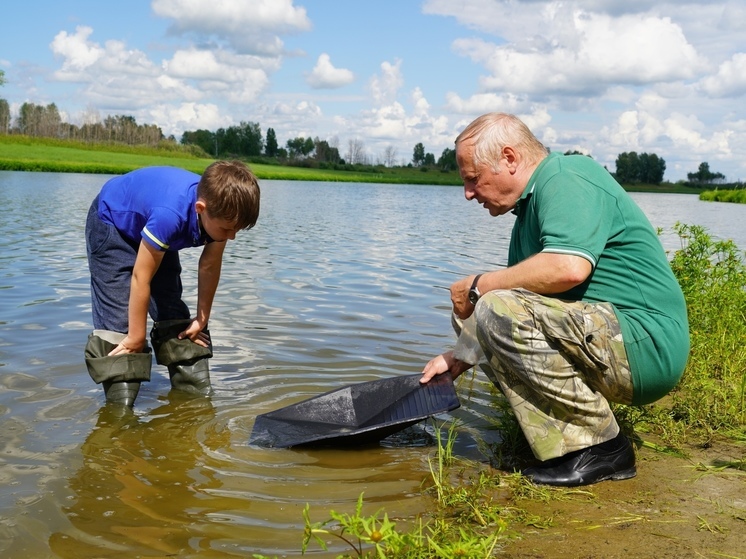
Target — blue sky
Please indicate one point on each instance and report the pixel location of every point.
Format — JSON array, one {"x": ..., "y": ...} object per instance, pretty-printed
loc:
[{"x": 599, "y": 76}]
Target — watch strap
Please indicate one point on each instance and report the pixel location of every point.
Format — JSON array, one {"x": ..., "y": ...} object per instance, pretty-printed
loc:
[{"x": 474, "y": 289}]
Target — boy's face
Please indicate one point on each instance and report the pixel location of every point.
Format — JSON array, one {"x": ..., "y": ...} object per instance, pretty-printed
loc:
[{"x": 218, "y": 229}]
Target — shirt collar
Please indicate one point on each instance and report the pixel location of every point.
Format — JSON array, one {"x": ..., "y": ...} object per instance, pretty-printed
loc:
[
  {"x": 203, "y": 238},
  {"x": 527, "y": 192}
]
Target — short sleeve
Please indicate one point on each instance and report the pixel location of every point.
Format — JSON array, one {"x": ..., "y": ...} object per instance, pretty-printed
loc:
[{"x": 573, "y": 217}]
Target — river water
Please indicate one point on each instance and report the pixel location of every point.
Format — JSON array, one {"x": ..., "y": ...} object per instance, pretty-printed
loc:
[{"x": 337, "y": 284}]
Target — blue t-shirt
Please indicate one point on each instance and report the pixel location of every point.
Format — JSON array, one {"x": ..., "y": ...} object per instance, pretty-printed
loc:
[{"x": 155, "y": 204}]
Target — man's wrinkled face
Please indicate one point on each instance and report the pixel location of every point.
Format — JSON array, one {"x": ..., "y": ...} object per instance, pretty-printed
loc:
[{"x": 493, "y": 189}]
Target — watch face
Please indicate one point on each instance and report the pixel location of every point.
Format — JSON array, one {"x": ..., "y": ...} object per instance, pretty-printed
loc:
[{"x": 473, "y": 297}]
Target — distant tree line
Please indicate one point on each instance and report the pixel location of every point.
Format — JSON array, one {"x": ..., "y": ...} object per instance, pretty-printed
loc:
[
  {"x": 246, "y": 140},
  {"x": 46, "y": 122}
]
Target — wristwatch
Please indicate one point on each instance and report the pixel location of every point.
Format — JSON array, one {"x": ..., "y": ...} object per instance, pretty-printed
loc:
[{"x": 474, "y": 293}]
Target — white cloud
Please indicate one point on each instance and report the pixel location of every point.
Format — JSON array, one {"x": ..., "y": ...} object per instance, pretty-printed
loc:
[
  {"x": 220, "y": 73},
  {"x": 249, "y": 27},
  {"x": 485, "y": 103},
  {"x": 730, "y": 80},
  {"x": 594, "y": 52},
  {"x": 603, "y": 76},
  {"x": 385, "y": 87},
  {"x": 188, "y": 116},
  {"x": 325, "y": 76},
  {"x": 77, "y": 52}
]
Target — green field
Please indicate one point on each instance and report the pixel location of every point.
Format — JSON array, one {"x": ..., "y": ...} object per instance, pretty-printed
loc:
[
  {"x": 23, "y": 153},
  {"x": 19, "y": 153}
]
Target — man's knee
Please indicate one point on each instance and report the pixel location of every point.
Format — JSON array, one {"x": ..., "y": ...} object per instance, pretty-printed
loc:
[{"x": 509, "y": 303}]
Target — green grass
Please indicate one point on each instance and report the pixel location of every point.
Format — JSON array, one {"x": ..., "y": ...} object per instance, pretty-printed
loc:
[
  {"x": 23, "y": 153},
  {"x": 736, "y": 196}
]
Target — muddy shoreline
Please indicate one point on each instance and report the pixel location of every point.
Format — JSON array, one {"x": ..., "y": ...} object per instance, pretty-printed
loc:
[{"x": 675, "y": 508}]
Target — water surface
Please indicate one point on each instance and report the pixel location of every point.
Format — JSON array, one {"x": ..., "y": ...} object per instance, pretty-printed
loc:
[{"x": 337, "y": 284}]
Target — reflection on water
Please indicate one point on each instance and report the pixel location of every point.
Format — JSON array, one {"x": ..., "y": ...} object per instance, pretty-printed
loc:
[{"x": 337, "y": 284}]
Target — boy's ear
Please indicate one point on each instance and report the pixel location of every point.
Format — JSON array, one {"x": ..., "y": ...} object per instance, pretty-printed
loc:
[{"x": 200, "y": 206}]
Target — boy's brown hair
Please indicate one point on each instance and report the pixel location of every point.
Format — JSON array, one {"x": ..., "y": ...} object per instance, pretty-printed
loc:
[{"x": 230, "y": 192}]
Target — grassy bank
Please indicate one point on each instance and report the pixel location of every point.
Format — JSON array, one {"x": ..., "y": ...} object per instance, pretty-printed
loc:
[{"x": 23, "y": 153}]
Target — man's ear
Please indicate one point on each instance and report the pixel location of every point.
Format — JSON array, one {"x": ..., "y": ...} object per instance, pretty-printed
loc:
[
  {"x": 511, "y": 157},
  {"x": 200, "y": 206}
]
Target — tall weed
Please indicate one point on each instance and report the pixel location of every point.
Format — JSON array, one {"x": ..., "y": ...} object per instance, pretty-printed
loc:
[{"x": 712, "y": 275}]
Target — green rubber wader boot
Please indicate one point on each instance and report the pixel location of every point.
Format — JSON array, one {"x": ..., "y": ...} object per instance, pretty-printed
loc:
[
  {"x": 186, "y": 361},
  {"x": 120, "y": 375},
  {"x": 193, "y": 378},
  {"x": 121, "y": 392}
]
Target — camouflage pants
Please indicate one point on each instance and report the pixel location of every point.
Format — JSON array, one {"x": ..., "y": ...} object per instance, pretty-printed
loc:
[{"x": 559, "y": 364}]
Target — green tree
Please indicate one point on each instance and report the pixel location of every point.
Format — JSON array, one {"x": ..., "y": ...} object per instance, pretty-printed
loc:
[
  {"x": 652, "y": 168},
  {"x": 324, "y": 153},
  {"x": 300, "y": 147},
  {"x": 202, "y": 138},
  {"x": 704, "y": 175},
  {"x": 2, "y": 77},
  {"x": 38, "y": 120},
  {"x": 4, "y": 116},
  {"x": 576, "y": 152},
  {"x": 418, "y": 157},
  {"x": 250, "y": 139},
  {"x": 429, "y": 160},
  {"x": 632, "y": 168},
  {"x": 627, "y": 167},
  {"x": 447, "y": 160},
  {"x": 270, "y": 145}
]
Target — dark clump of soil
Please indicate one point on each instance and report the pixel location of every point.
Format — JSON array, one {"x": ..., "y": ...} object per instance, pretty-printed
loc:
[{"x": 674, "y": 508}]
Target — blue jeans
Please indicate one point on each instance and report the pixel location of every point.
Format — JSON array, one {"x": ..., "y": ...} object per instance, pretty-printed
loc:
[{"x": 111, "y": 258}]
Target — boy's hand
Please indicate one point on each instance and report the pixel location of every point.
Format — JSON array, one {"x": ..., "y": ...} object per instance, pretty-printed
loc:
[
  {"x": 128, "y": 345},
  {"x": 196, "y": 333}
]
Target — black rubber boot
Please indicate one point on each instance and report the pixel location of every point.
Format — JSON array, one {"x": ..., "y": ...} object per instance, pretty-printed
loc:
[{"x": 614, "y": 460}]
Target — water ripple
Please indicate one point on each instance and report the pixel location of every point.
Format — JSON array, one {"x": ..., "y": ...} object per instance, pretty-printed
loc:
[{"x": 337, "y": 284}]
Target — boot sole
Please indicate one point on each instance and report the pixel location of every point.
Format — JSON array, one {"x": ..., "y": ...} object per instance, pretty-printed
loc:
[{"x": 624, "y": 474}]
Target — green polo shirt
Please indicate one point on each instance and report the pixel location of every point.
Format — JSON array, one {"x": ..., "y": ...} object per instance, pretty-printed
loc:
[{"x": 572, "y": 205}]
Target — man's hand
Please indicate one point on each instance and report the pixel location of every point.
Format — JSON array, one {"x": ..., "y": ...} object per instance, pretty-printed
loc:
[
  {"x": 462, "y": 307},
  {"x": 443, "y": 363}
]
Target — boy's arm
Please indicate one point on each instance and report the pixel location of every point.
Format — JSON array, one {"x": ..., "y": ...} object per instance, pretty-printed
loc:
[
  {"x": 210, "y": 264},
  {"x": 147, "y": 262}
]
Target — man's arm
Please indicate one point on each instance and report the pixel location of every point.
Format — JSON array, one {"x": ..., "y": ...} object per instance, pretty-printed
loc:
[
  {"x": 545, "y": 273},
  {"x": 147, "y": 262}
]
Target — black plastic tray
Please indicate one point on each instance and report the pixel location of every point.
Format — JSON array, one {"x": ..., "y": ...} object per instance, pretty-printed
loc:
[{"x": 357, "y": 414}]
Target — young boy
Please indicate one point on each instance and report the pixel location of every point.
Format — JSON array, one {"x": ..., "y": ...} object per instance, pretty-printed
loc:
[{"x": 135, "y": 228}]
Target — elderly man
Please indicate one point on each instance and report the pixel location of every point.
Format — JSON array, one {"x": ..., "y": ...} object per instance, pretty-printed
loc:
[{"x": 587, "y": 312}]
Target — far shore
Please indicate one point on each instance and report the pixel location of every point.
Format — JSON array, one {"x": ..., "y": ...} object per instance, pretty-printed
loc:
[{"x": 38, "y": 155}]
